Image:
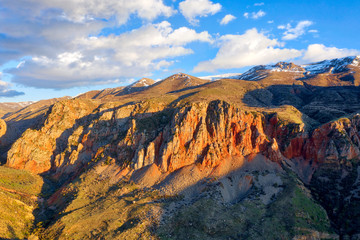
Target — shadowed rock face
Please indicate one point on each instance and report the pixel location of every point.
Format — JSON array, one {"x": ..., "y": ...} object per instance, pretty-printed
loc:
[
  {"x": 202, "y": 133},
  {"x": 34, "y": 150}
]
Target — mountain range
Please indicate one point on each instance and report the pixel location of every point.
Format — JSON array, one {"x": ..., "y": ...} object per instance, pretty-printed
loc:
[{"x": 272, "y": 153}]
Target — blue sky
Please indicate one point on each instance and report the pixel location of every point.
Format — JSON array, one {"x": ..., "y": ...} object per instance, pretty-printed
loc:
[{"x": 54, "y": 48}]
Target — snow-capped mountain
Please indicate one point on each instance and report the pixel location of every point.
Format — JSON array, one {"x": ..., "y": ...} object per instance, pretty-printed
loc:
[
  {"x": 139, "y": 85},
  {"x": 332, "y": 66},
  {"x": 343, "y": 66},
  {"x": 144, "y": 82}
]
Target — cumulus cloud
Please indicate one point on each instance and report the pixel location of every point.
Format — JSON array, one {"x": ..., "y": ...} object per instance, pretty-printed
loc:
[
  {"x": 191, "y": 9},
  {"x": 251, "y": 48},
  {"x": 319, "y": 52},
  {"x": 109, "y": 59},
  {"x": 295, "y": 32},
  {"x": 47, "y": 27},
  {"x": 5, "y": 91},
  {"x": 83, "y": 11},
  {"x": 255, "y": 15},
  {"x": 62, "y": 44},
  {"x": 228, "y": 18}
]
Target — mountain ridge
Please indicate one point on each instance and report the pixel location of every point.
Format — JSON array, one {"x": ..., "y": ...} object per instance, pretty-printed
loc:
[{"x": 281, "y": 151}]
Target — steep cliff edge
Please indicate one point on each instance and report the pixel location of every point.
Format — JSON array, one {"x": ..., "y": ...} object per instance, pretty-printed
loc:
[
  {"x": 205, "y": 133},
  {"x": 135, "y": 136},
  {"x": 34, "y": 149},
  {"x": 19, "y": 121}
]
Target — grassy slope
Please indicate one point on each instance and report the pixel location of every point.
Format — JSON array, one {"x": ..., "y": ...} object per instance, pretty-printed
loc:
[
  {"x": 98, "y": 208},
  {"x": 16, "y": 216},
  {"x": 292, "y": 213},
  {"x": 20, "y": 180},
  {"x": 18, "y": 190}
]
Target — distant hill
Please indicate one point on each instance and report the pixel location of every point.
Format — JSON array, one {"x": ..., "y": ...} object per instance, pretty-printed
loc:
[{"x": 6, "y": 107}]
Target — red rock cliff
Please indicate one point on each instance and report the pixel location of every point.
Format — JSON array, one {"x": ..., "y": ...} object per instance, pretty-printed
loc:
[{"x": 77, "y": 132}]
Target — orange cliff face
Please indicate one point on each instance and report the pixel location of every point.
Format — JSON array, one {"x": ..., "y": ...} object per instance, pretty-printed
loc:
[
  {"x": 34, "y": 150},
  {"x": 203, "y": 133},
  {"x": 334, "y": 141},
  {"x": 77, "y": 132}
]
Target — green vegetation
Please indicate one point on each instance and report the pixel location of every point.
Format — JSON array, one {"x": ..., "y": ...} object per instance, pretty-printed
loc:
[
  {"x": 18, "y": 190},
  {"x": 20, "y": 180},
  {"x": 16, "y": 216},
  {"x": 96, "y": 208},
  {"x": 291, "y": 213},
  {"x": 335, "y": 192},
  {"x": 308, "y": 213}
]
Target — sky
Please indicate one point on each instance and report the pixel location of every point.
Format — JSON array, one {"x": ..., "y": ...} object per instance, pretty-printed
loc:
[{"x": 55, "y": 48}]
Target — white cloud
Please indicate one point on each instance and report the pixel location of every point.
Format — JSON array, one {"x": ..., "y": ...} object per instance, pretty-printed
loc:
[
  {"x": 106, "y": 59},
  {"x": 89, "y": 10},
  {"x": 251, "y": 48},
  {"x": 5, "y": 91},
  {"x": 259, "y": 4},
  {"x": 313, "y": 31},
  {"x": 270, "y": 22},
  {"x": 255, "y": 15},
  {"x": 228, "y": 18},
  {"x": 259, "y": 14},
  {"x": 191, "y": 9},
  {"x": 60, "y": 45},
  {"x": 293, "y": 33},
  {"x": 47, "y": 27},
  {"x": 319, "y": 52}
]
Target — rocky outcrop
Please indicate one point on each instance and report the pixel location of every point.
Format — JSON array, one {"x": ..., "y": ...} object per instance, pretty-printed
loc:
[
  {"x": 209, "y": 133},
  {"x": 284, "y": 66},
  {"x": 206, "y": 134},
  {"x": 2, "y": 127},
  {"x": 76, "y": 133},
  {"x": 335, "y": 182},
  {"x": 332, "y": 142},
  {"x": 34, "y": 150}
]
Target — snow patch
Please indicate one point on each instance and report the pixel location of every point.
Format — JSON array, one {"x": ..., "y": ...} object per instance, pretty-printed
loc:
[
  {"x": 222, "y": 76},
  {"x": 253, "y": 75},
  {"x": 140, "y": 83},
  {"x": 283, "y": 70}
]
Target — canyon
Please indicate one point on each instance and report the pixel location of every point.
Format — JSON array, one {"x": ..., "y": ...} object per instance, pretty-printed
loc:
[{"x": 271, "y": 152}]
